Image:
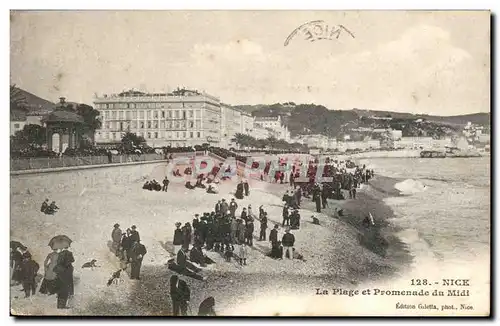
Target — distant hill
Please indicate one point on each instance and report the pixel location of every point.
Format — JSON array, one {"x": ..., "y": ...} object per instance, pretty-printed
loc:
[
  {"x": 317, "y": 119},
  {"x": 34, "y": 105}
]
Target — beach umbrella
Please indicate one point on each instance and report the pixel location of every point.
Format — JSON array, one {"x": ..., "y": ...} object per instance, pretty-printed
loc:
[
  {"x": 60, "y": 242},
  {"x": 16, "y": 244}
]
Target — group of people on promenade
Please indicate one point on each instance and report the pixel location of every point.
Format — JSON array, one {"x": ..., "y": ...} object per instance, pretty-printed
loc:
[{"x": 155, "y": 185}]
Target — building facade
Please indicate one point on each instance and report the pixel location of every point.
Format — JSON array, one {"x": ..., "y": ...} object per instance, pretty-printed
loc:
[
  {"x": 186, "y": 118},
  {"x": 276, "y": 126}
]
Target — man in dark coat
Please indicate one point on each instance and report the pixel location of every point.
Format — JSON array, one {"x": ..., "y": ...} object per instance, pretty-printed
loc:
[
  {"x": 263, "y": 227},
  {"x": 134, "y": 235},
  {"x": 286, "y": 216},
  {"x": 249, "y": 232},
  {"x": 246, "y": 187},
  {"x": 186, "y": 236},
  {"x": 136, "y": 256},
  {"x": 178, "y": 238},
  {"x": 45, "y": 205},
  {"x": 324, "y": 196},
  {"x": 29, "y": 269},
  {"x": 196, "y": 224},
  {"x": 233, "y": 206},
  {"x": 165, "y": 184},
  {"x": 126, "y": 244},
  {"x": 116, "y": 237},
  {"x": 218, "y": 207},
  {"x": 64, "y": 270},
  {"x": 273, "y": 235},
  {"x": 288, "y": 242},
  {"x": 244, "y": 215},
  {"x": 180, "y": 294},
  {"x": 239, "y": 191}
]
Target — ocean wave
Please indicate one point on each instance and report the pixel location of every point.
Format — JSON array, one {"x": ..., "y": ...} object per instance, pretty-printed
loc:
[{"x": 410, "y": 186}]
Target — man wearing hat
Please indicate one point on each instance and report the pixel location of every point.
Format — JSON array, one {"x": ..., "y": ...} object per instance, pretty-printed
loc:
[
  {"x": 116, "y": 237},
  {"x": 178, "y": 237},
  {"x": 218, "y": 207},
  {"x": 134, "y": 235},
  {"x": 288, "y": 241}
]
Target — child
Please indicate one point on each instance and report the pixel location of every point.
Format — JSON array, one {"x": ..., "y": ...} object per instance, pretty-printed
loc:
[
  {"x": 29, "y": 270},
  {"x": 228, "y": 254},
  {"x": 243, "y": 254}
]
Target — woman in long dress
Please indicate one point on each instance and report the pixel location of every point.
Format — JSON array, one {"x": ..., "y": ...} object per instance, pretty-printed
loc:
[
  {"x": 49, "y": 283},
  {"x": 64, "y": 270}
]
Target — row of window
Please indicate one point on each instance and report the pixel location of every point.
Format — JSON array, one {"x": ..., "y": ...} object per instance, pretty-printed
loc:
[
  {"x": 150, "y": 114},
  {"x": 152, "y": 135},
  {"x": 182, "y": 124},
  {"x": 144, "y": 105}
]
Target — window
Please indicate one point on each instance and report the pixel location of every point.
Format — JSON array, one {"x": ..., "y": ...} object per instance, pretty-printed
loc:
[
  {"x": 149, "y": 134},
  {"x": 177, "y": 134},
  {"x": 190, "y": 113},
  {"x": 169, "y": 125},
  {"x": 16, "y": 125},
  {"x": 142, "y": 124},
  {"x": 149, "y": 124},
  {"x": 155, "y": 124},
  {"x": 177, "y": 114},
  {"x": 156, "y": 134},
  {"x": 191, "y": 134},
  {"x": 131, "y": 105},
  {"x": 127, "y": 115},
  {"x": 183, "y": 134},
  {"x": 155, "y": 114},
  {"x": 191, "y": 124},
  {"x": 113, "y": 115},
  {"x": 134, "y": 124},
  {"x": 134, "y": 115},
  {"x": 183, "y": 114},
  {"x": 106, "y": 125},
  {"x": 199, "y": 134},
  {"x": 162, "y": 114},
  {"x": 169, "y": 114},
  {"x": 162, "y": 124},
  {"x": 141, "y": 114}
]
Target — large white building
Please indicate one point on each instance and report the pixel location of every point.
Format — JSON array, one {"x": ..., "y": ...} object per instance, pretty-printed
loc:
[
  {"x": 181, "y": 118},
  {"x": 276, "y": 127}
]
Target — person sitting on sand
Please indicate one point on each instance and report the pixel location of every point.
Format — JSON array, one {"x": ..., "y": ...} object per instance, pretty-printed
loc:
[
  {"x": 45, "y": 205},
  {"x": 182, "y": 266},
  {"x": 212, "y": 189},
  {"x": 52, "y": 208},
  {"x": 196, "y": 256},
  {"x": 199, "y": 184},
  {"x": 189, "y": 185},
  {"x": 315, "y": 220},
  {"x": 146, "y": 186}
]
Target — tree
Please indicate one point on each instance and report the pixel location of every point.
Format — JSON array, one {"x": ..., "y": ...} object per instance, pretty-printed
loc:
[
  {"x": 242, "y": 139},
  {"x": 31, "y": 136},
  {"x": 90, "y": 118},
  {"x": 131, "y": 140},
  {"x": 272, "y": 141}
]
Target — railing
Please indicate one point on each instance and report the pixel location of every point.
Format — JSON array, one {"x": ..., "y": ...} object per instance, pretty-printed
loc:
[{"x": 68, "y": 161}]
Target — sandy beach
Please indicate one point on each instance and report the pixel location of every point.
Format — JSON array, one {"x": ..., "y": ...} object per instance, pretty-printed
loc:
[{"x": 337, "y": 252}]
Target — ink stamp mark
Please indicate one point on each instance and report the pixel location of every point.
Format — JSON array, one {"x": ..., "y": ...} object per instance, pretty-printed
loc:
[{"x": 318, "y": 30}]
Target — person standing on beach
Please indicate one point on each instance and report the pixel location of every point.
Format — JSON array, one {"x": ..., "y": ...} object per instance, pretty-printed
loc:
[
  {"x": 180, "y": 294},
  {"x": 233, "y": 206},
  {"x": 218, "y": 207},
  {"x": 324, "y": 196},
  {"x": 49, "y": 280},
  {"x": 286, "y": 217},
  {"x": 137, "y": 255},
  {"x": 116, "y": 237},
  {"x": 178, "y": 237},
  {"x": 29, "y": 270},
  {"x": 224, "y": 208},
  {"x": 263, "y": 227},
  {"x": 64, "y": 270},
  {"x": 288, "y": 242},
  {"x": 134, "y": 235}
]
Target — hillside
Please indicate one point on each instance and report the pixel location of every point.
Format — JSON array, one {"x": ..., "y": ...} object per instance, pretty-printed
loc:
[{"x": 317, "y": 119}]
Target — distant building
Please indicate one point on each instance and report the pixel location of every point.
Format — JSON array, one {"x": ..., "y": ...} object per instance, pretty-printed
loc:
[
  {"x": 259, "y": 132},
  {"x": 319, "y": 141},
  {"x": 36, "y": 109},
  {"x": 279, "y": 130}
]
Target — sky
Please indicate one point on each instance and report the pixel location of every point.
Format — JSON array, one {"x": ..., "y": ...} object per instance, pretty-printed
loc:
[{"x": 405, "y": 61}]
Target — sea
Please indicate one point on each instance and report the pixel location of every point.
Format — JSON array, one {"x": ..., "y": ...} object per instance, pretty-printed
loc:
[{"x": 443, "y": 213}]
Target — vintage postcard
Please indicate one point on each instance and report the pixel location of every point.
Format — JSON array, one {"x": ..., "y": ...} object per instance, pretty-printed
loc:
[{"x": 250, "y": 163}]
